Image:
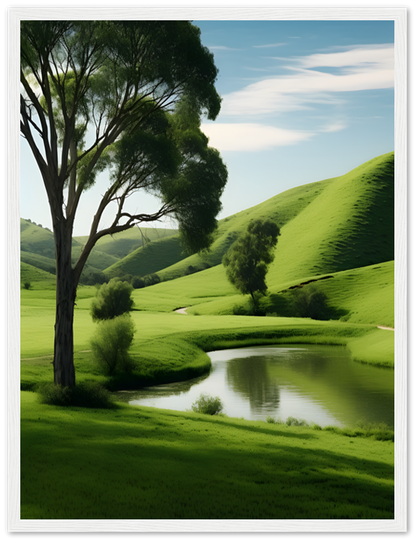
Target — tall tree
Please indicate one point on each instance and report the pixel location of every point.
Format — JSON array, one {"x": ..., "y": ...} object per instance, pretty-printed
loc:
[
  {"x": 248, "y": 259},
  {"x": 126, "y": 96}
]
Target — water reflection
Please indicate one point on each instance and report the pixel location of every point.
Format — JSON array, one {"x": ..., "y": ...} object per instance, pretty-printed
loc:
[
  {"x": 317, "y": 383},
  {"x": 250, "y": 378}
]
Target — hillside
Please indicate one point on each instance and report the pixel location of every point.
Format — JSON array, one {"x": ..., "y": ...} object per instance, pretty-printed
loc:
[
  {"x": 342, "y": 227},
  {"x": 149, "y": 258},
  {"x": 326, "y": 226},
  {"x": 38, "y": 247}
]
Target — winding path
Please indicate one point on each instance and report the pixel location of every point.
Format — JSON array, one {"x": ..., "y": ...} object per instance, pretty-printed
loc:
[{"x": 385, "y": 328}]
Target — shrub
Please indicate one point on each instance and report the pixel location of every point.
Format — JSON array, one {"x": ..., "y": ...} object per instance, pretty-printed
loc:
[
  {"x": 309, "y": 302},
  {"x": 138, "y": 282},
  {"x": 112, "y": 300},
  {"x": 151, "y": 279},
  {"x": 27, "y": 285},
  {"x": 111, "y": 343},
  {"x": 208, "y": 404},
  {"x": 84, "y": 395}
]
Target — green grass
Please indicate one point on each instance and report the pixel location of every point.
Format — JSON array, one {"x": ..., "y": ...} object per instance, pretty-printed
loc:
[
  {"x": 170, "y": 347},
  {"x": 121, "y": 244},
  {"x": 143, "y": 463},
  {"x": 150, "y": 258}
]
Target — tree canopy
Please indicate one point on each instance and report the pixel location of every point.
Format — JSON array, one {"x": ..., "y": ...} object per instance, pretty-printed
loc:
[
  {"x": 124, "y": 97},
  {"x": 112, "y": 300},
  {"x": 248, "y": 259}
]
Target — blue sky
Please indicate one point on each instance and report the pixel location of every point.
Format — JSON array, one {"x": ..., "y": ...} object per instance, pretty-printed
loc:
[{"x": 302, "y": 101}]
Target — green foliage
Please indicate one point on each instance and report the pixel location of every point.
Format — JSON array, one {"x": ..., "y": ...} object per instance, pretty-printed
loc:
[
  {"x": 110, "y": 345},
  {"x": 247, "y": 260},
  {"x": 27, "y": 285},
  {"x": 112, "y": 300},
  {"x": 208, "y": 405},
  {"x": 84, "y": 395},
  {"x": 308, "y": 301}
]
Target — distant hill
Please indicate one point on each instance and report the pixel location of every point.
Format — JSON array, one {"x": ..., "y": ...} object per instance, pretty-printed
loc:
[
  {"x": 149, "y": 258},
  {"x": 38, "y": 247},
  {"x": 327, "y": 227}
]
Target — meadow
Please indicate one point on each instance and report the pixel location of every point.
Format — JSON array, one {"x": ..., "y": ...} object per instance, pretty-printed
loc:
[
  {"x": 168, "y": 464},
  {"x": 136, "y": 462}
]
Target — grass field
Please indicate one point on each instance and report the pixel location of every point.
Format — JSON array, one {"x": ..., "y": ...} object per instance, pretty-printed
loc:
[{"x": 162, "y": 464}]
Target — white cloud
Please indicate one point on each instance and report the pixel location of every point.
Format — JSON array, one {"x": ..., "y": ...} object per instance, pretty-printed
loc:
[
  {"x": 362, "y": 68},
  {"x": 250, "y": 137},
  {"x": 269, "y": 45},
  {"x": 221, "y": 48},
  {"x": 336, "y": 126}
]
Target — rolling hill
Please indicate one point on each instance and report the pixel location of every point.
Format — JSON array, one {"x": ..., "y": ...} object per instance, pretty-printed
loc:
[
  {"x": 341, "y": 228},
  {"x": 38, "y": 247}
]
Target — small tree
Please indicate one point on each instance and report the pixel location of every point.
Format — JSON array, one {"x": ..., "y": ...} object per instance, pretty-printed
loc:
[
  {"x": 112, "y": 300},
  {"x": 111, "y": 343},
  {"x": 310, "y": 302},
  {"x": 248, "y": 259}
]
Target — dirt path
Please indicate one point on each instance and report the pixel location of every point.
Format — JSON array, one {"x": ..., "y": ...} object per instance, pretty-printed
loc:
[
  {"x": 182, "y": 310},
  {"x": 385, "y": 328}
]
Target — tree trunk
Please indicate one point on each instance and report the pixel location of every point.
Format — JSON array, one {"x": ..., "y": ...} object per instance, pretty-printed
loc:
[{"x": 63, "y": 362}]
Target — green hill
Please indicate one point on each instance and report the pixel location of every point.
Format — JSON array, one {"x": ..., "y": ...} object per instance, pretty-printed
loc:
[
  {"x": 149, "y": 258},
  {"x": 327, "y": 226},
  {"x": 343, "y": 227},
  {"x": 122, "y": 244},
  {"x": 38, "y": 247},
  {"x": 350, "y": 224},
  {"x": 37, "y": 278}
]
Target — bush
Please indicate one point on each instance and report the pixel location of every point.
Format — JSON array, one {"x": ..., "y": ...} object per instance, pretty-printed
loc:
[
  {"x": 111, "y": 343},
  {"x": 138, "y": 282},
  {"x": 112, "y": 300},
  {"x": 27, "y": 285},
  {"x": 151, "y": 279},
  {"x": 309, "y": 302},
  {"x": 208, "y": 404},
  {"x": 84, "y": 395}
]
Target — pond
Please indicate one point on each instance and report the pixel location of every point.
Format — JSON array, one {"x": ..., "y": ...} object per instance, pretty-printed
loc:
[{"x": 319, "y": 384}]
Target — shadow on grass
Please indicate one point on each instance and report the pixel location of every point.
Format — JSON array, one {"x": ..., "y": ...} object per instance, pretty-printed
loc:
[
  {"x": 140, "y": 464},
  {"x": 282, "y": 305}
]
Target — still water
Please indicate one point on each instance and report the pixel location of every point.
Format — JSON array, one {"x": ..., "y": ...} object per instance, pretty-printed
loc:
[{"x": 319, "y": 384}]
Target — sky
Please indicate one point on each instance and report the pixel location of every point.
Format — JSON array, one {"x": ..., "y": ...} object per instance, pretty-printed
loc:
[{"x": 302, "y": 101}]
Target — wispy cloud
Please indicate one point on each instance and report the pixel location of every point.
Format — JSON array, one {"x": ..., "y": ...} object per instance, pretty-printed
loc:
[
  {"x": 251, "y": 137},
  {"x": 221, "y": 48},
  {"x": 269, "y": 45},
  {"x": 362, "y": 68}
]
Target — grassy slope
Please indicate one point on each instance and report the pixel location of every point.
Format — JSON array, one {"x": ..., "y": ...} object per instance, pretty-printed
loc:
[
  {"x": 150, "y": 258},
  {"x": 352, "y": 217},
  {"x": 121, "y": 244},
  {"x": 38, "y": 248},
  {"x": 350, "y": 225},
  {"x": 162, "y": 464}
]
